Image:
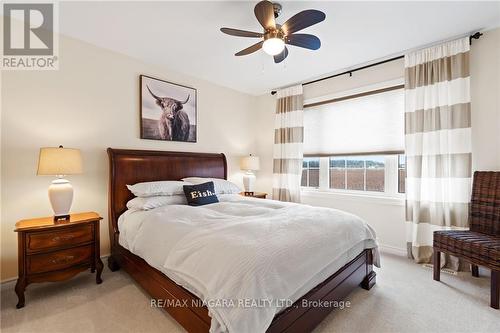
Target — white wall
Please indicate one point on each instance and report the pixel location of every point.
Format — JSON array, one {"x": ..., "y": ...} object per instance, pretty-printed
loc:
[
  {"x": 485, "y": 101},
  {"x": 264, "y": 111},
  {"x": 387, "y": 215},
  {"x": 91, "y": 103}
]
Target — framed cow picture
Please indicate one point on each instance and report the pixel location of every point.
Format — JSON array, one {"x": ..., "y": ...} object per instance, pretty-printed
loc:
[{"x": 168, "y": 110}]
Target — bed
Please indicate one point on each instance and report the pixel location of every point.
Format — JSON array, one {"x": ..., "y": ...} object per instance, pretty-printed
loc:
[{"x": 133, "y": 166}]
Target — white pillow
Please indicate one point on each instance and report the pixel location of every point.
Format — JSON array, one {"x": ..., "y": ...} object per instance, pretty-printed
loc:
[
  {"x": 147, "y": 203},
  {"x": 222, "y": 186},
  {"x": 151, "y": 189}
]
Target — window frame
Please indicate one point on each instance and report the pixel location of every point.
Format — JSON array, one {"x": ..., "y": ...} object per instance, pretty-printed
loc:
[
  {"x": 391, "y": 177},
  {"x": 307, "y": 172}
]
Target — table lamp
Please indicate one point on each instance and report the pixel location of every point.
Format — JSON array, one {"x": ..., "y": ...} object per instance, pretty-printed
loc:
[
  {"x": 249, "y": 164},
  {"x": 60, "y": 162}
]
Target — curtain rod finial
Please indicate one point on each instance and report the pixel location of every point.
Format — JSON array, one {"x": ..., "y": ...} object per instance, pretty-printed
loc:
[{"x": 477, "y": 35}]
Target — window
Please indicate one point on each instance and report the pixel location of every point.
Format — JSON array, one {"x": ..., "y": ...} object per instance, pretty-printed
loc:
[
  {"x": 310, "y": 172},
  {"x": 401, "y": 174},
  {"x": 361, "y": 173},
  {"x": 337, "y": 173},
  {"x": 370, "y": 173},
  {"x": 355, "y": 141}
]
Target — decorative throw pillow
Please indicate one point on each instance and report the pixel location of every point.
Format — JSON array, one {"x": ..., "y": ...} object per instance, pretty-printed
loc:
[
  {"x": 222, "y": 186},
  {"x": 200, "y": 194}
]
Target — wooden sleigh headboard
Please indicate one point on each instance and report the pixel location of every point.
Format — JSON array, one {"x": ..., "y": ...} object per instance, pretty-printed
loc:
[{"x": 128, "y": 167}]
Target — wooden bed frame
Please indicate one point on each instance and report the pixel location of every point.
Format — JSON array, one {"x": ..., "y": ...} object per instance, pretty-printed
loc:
[{"x": 133, "y": 166}]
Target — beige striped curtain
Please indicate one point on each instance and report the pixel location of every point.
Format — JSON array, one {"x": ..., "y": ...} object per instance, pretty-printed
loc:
[
  {"x": 438, "y": 144},
  {"x": 288, "y": 144}
]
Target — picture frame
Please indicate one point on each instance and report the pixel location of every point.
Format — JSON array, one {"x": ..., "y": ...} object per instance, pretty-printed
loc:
[{"x": 168, "y": 111}]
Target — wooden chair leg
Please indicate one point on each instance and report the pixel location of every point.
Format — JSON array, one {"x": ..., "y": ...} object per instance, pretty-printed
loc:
[
  {"x": 436, "y": 258},
  {"x": 495, "y": 288},
  {"x": 475, "y": 270}
]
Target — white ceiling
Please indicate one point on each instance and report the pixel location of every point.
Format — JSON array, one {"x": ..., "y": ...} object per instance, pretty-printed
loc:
[{"x": 185, "y": 36}]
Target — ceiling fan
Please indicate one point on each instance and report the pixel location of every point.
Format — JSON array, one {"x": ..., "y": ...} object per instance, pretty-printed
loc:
[{"x": 275, "y": 36}]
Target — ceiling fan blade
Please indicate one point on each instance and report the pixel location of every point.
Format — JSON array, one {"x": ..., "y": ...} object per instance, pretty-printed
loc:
[
  {"x": 251, "y": 49},
  {"x": 264, "y": 12},
  {"x": 307, "y": 41},
  {"x": 241, "y": 33},
  {"x": 302, "y": 20},
  {"x": 280, "y": 57}
]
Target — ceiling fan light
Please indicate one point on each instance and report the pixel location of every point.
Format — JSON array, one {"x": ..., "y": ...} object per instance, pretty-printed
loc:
[{"x": 273, "y": 46}]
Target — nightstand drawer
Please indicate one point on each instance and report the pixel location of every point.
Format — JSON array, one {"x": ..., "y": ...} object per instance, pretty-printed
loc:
[
  {"x": 39, "y": 263},
  {"x": 47, "y": 240}
]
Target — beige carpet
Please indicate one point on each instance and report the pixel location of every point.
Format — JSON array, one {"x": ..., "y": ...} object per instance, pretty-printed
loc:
[{"x": 405, "y": 299}]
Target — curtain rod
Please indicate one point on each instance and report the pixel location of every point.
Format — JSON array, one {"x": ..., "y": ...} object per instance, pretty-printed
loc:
[
  {"x": 477, "y": 35},
  {"x": 366, "y": 93}
]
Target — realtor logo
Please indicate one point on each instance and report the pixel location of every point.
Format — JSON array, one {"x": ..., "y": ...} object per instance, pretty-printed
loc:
[{"x": 28, "y": 36}]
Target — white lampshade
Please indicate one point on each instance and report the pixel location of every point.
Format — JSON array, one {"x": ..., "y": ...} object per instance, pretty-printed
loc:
[
  {"x": 250, "y": 163},
  {"x": 59, "y": 161}
]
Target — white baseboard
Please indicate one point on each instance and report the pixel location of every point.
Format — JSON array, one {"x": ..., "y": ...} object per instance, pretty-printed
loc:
[
  {"x": 12, "y": 279},
  {"x": 392, "y": 250},
  {"x": 9, "y": 280}
]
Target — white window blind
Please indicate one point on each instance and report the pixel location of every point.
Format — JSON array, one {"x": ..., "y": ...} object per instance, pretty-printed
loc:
[{"x": 363, "y": 125}]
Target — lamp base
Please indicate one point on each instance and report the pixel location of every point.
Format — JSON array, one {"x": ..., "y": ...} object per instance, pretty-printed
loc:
[
  {"x": 249, "y": 181},
  {"x": 61, "y": 198}
]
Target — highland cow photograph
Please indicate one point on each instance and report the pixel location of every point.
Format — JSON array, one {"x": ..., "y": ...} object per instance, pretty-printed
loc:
[{"x": 168, "y": 111}]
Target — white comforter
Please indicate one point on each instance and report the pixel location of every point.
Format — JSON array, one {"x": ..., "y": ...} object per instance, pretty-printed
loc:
[{"x": 247, "y": 258}]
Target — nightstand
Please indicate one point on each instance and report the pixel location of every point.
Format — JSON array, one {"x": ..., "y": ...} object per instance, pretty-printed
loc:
[
  {"x": 56, "y": 251},
  {"x": 260, "y": 195}
]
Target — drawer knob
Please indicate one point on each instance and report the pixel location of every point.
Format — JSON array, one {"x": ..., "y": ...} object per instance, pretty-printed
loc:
[
  {"x": 62, "y": 237},
  {"x": 62, "y": 260}
]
